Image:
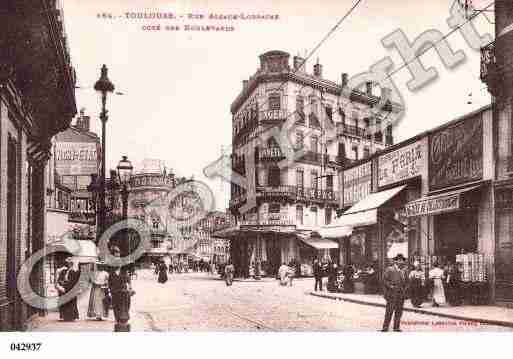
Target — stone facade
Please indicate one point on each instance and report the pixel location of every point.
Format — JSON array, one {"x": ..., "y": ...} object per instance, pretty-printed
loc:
[
  {"x": 297, "y": 183},
  {"x": 37, "y": 101}
]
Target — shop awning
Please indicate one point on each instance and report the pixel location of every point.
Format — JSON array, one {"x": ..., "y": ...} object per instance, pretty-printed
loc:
[
  {"x": 316, "y": 241},
  {"x": 442, "y": 203},
  {"x": 365, "y": 212},
  {"x": 335, "y": 231}
]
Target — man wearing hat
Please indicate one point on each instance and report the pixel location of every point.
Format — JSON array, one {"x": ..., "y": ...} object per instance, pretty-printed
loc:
[{"x": 395, "y": 286}]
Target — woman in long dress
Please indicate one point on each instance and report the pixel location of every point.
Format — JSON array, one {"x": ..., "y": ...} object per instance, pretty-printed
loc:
[
  {"x": 68, "y": 279},
  {"x": 162, "y": 268},
  {"x": 454, "y": 285},
  {"x": 417, "y": 279},
  {"x": 97, "y": 301},
  {"x": 229, "y": 270},
  {"x": 436, "y": 275}
]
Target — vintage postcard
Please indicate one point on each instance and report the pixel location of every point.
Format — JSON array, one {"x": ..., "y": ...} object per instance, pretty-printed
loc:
[{"x": 239, "y": 166}]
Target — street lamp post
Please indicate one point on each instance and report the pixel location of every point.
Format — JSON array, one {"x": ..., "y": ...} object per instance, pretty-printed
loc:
[
  {"x": 124, "y": 173},
  {"x": 103, "y": 86}
]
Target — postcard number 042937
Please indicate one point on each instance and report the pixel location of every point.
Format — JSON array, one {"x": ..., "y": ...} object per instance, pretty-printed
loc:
[{"x": 26, "y": 347}]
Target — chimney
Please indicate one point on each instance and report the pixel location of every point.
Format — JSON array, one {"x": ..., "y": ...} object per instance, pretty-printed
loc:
[
  {"x": 317, "y": 69},
  {"x": 245, "y": 84},
  {"x": 299, "y": 64},
  {"x": 368, "y": 88},
  {"x": 345, "y": 79}
]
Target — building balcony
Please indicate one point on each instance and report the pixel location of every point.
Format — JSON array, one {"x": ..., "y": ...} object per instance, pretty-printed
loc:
[
  {"x": 317, "y": 195},
  {"x": 317, "y": 158},
  {"x": 349, "y": 130},
  {"x": 271, "y": 154},
  {"x": 297, "y": 194},
  {"x": 269, "y": 219}
]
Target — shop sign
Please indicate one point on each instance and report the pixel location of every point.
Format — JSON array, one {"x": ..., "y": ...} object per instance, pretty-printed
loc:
[
  {"x": 76, "y": 158},
  {"x": 433, "y": 206},
  {"x": 456, "y": 154},
  {"x": 405, "y": 163},
  {"x": 357, "y": 183}
]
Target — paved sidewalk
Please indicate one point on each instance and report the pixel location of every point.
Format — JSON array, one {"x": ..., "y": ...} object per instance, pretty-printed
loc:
[
  {"x": 486, "y": 314},
  {"x": 51, "y": 322}
]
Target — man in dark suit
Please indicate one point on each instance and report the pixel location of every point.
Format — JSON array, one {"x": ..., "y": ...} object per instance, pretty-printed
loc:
[
  {"x": 317, "y": 272},
  {"x": 395, "y": 286}
]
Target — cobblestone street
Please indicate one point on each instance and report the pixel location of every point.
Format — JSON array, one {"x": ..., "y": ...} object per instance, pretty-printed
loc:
[{"x": 199, "y": 302}]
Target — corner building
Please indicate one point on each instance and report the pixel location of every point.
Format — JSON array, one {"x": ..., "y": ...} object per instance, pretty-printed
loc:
[{"x": 297, "y": 186}]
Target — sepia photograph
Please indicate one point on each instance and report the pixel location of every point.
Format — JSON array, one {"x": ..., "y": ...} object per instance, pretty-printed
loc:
[{"x": 290, "y": 167}]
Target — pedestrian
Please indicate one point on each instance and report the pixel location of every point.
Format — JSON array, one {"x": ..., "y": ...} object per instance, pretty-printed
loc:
[
  {"x": 317, "y": 272},
  {"x": 229, "y": 270},
  {"x": 454, "y": 296},
  {"x": 120, "y": 288},
  {"x": 162, "y": 278},
  {"x": 283, "y": 273},
  {"x": 395, "y": 286},
  {"x": 416, "y": 285},
  {"x": 332, "y": 278},
  {"x": 348, "y": 272},
  {"x": 436, "y": 275},
  {"x": 68, "y": 279},
  {"x": 99, "y": 291},
  {"x": 60, "y": 289}
]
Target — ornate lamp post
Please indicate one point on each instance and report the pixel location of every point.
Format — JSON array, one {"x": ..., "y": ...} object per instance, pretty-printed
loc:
[
  {"x": 125, "y": 173},
  {"x": 103, "y": 86}
]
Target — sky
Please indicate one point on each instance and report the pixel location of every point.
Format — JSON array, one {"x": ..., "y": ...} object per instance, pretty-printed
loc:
[{"x": 177, "y": 86}]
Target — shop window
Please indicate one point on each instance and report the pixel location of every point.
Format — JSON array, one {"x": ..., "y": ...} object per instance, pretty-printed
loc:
[
  {"x": 299, "y": 214},
  {"x": 274, "y": 102}
]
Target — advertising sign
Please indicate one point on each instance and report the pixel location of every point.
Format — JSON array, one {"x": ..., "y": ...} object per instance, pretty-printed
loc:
[
  {"x": 357, "y": 183},
  {"x": 405, "y": 163},
  {"x": 432, "y": 206},
  {"x": 76, "y": 158},
  {"x": 456, "y": 154}
]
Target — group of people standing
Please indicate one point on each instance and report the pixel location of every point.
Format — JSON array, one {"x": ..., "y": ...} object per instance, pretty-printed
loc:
[
  {"x": 443, "y": 284},
  {"x": 110, "y": 288}
]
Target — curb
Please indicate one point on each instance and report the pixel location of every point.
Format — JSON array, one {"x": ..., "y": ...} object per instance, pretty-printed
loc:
[{"x": 420, "y": 311}]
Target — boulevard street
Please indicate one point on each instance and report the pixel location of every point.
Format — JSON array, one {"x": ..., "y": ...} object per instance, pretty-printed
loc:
[{"x": 201, "y": 302}]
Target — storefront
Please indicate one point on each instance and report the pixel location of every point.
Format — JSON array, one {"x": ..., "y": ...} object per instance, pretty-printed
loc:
[{"x": 373, "y": 227}]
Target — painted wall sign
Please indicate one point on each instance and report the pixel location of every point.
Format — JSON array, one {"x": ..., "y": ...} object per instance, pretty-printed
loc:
[
  {"x": 357, "y": 183},
  {"x": 433, "y": 206},
  {"x": 402, "y": 164},
  {"x": 76, "y": 158},
  {"x": 456, "y": 154}
]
